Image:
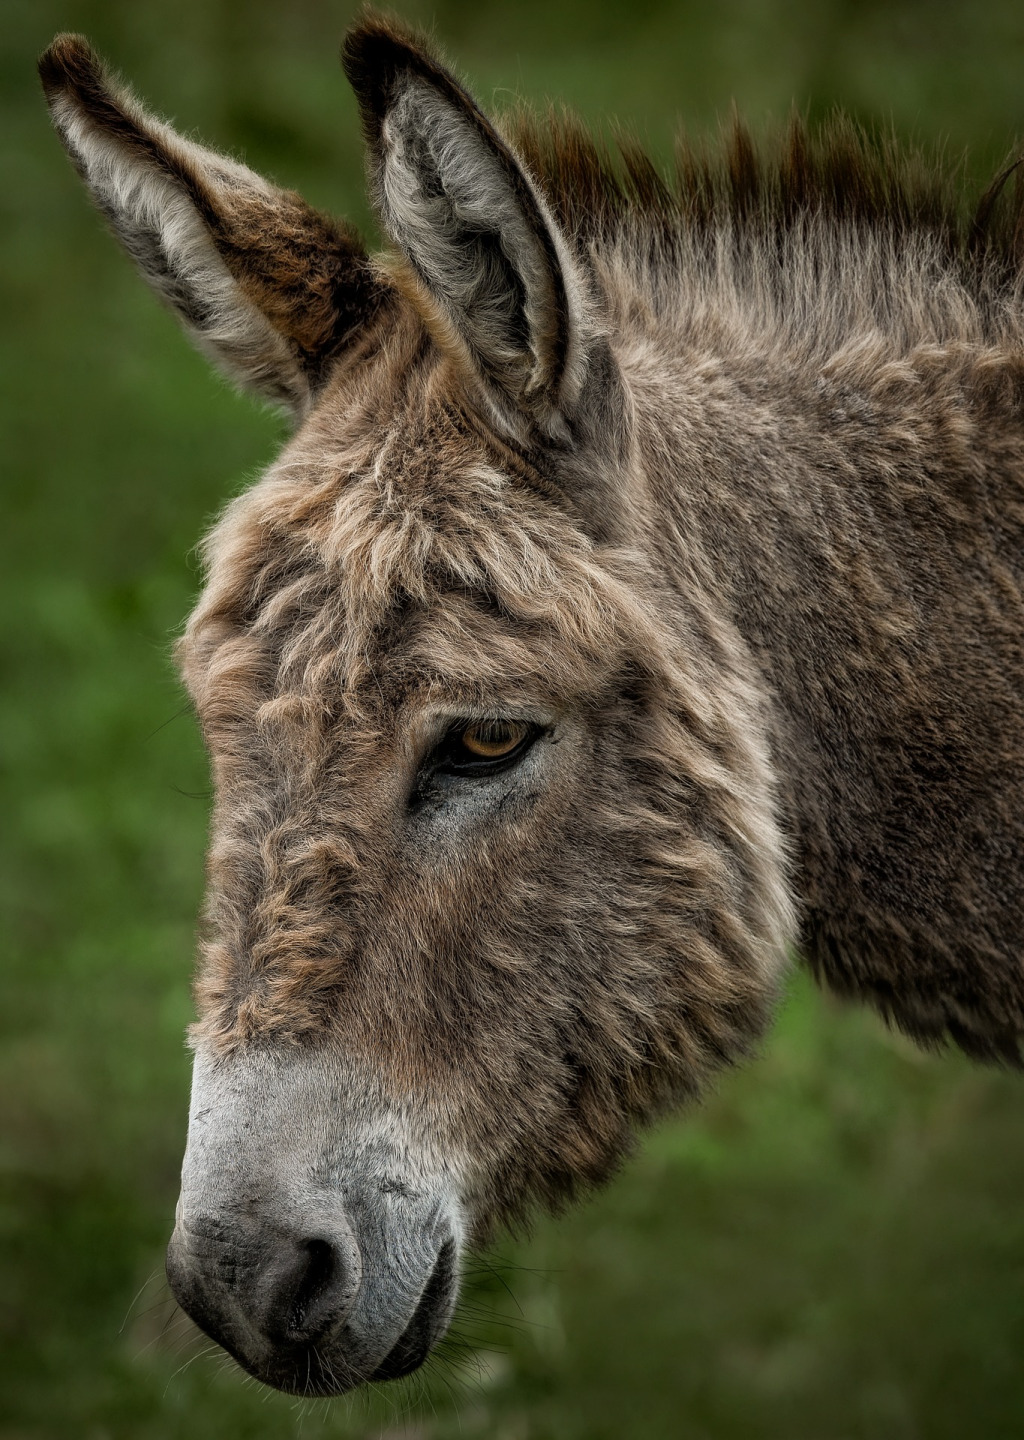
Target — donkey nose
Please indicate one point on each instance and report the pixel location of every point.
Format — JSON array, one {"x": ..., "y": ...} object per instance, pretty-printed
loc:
[
  {"x": 289, "y": 1290},
  {"x": 305, "y": 1293}
]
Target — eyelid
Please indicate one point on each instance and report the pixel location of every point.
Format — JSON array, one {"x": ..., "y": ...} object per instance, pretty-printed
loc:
[{"x": 429, "y": 723}]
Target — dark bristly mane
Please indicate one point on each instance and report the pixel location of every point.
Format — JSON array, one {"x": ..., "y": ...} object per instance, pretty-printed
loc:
[{"x": 837, "y": 170}]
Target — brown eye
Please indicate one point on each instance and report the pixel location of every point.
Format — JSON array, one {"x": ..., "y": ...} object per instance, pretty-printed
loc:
[
  {"x": 492, "y": 739},
  {"x": 482, "y": 747}
]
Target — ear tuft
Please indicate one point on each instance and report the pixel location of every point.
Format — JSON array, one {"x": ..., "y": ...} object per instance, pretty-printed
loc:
[
  {"x": 69, "y": 61},
  {"x": 373, "y": 56}
]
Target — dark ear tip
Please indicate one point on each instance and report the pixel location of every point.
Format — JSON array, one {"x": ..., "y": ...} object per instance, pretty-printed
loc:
[
  {"x": 377, "y": 42},
  {"x": 375, "y": 52},
  {"x": 68, "y": 63}
]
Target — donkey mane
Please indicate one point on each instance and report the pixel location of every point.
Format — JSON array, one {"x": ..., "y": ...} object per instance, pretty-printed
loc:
[
  {"x": 818, "y": 238},
  {"x": 837, "y": 171}
]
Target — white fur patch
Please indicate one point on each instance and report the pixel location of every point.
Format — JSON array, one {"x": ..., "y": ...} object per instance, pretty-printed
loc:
[{"x": 306, "y": 1123}]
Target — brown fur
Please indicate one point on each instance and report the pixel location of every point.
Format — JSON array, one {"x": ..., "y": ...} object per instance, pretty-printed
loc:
[
  {"x": 379, "y": 583},
  {"x": 768, "y": 581},
  {"x": 840, "y": 171}
]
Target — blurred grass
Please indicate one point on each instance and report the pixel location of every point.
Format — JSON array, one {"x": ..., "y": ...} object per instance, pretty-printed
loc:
[{"x": 832, "y": 1249}]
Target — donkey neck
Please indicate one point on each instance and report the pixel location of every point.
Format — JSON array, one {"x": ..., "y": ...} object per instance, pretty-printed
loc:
[{"x": 860, "y": 525}]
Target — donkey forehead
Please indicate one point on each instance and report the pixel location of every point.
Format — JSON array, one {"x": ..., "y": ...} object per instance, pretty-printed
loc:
[{"x": 413, "y": 559}]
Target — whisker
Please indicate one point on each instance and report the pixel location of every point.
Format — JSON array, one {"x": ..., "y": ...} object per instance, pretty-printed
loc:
[
  {"x": 199, "y": 1355},
  {"x": 148, "y": 1281},
  {"x": 185, "y": 710}
]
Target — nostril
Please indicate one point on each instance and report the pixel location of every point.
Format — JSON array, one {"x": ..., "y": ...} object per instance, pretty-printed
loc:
[
  {"x": 306, "y": 1293},
  {"x": 314, "y": 1287}
]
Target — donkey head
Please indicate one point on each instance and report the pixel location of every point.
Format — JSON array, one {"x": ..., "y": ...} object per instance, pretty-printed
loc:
[{"x": 494, "y": 872}]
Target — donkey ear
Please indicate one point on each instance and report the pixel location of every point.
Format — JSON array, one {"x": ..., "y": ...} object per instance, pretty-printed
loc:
[
  {"x": 268, "y": 288},
  {"x": 491, "y": 269}
]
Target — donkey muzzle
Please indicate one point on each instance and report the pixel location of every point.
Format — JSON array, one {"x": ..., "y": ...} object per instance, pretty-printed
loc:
[{"x": 316, "y": 1248}]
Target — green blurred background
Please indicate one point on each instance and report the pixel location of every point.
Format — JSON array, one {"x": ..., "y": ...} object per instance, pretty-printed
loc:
[{"x": 833, "y": 1248}]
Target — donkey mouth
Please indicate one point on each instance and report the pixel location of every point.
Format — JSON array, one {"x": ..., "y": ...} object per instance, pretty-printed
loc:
[
  {"x": 323, "y": 1370},
  {"x": 429, "y": 1322},
  {"x": 319, "y": 1259}
]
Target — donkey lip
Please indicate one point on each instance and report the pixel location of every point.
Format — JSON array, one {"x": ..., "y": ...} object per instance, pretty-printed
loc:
[
  {"x": 307, "y": 1373},
  {"x": 428, "y": 1323},
  {"x": 316, "y": 1371},
  {"x": 321, "y": 1370}
]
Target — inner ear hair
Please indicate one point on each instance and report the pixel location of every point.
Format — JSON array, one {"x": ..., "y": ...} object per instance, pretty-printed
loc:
[{"x": 491, "y": 270}]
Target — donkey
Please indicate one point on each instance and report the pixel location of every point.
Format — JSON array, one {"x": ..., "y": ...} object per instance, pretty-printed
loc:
[{"x": 638, "y": 598}]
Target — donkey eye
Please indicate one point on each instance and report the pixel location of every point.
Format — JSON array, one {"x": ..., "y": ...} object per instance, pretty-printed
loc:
[
  {"x": 492, "y": 739},
  {"x": 486, "y": 745}
]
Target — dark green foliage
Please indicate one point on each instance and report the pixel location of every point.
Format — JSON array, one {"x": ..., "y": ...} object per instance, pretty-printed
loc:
[{"x": 833, "y": 1249}]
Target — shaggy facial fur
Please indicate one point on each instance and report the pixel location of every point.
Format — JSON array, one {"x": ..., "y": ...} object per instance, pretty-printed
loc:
[
  {"x": 545, "y": 956},
  {"x": 716, "y": 485}
]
